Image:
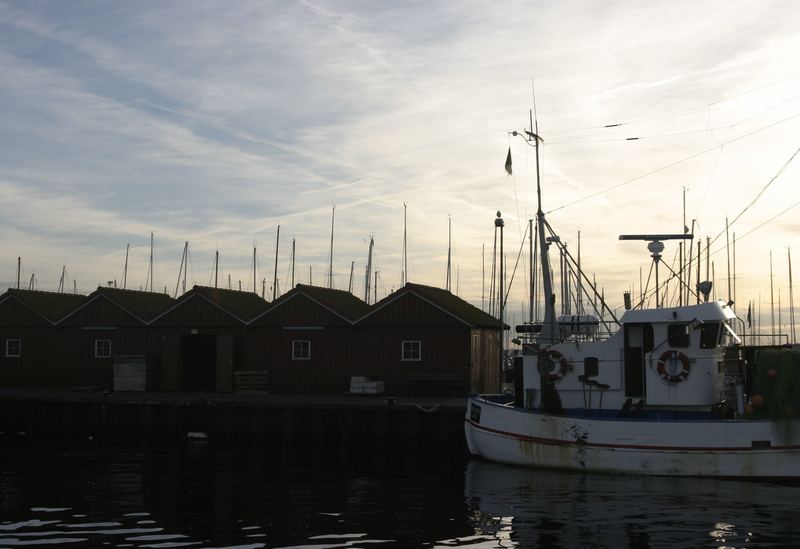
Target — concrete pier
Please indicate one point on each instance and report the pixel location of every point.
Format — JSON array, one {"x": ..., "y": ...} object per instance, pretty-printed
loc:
[{"x": 250, "y": 419}]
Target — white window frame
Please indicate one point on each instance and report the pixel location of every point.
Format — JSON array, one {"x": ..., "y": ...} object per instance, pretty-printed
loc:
[
  {"x": 97, "y": 343},
  {"x": 295, "y": 347},
  {"x": 9, "y": 354},
  {"x": 410, "y": 356}
]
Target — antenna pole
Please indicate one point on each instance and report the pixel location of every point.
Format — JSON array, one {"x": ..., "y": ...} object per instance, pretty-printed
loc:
[
  {"x": 125, "y": 271},
  {"x": 728, "y": 253},
  {"x": 19, "y": 269},
  {"x": 734, "y": 267},
  {"x": 293, "y": 263},
  {"x": 275, "y": 277},
  {"x": 216, "y": 268},
  {"x": 699, "y": 255}
]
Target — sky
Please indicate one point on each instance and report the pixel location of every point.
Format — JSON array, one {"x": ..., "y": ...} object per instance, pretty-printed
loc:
[{"x": 214, "y": 123}]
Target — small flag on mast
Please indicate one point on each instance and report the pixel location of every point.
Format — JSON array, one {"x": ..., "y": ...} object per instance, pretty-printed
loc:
[
  {"x": 508, "y": 161},
  {"x": 749, "y": 317}
]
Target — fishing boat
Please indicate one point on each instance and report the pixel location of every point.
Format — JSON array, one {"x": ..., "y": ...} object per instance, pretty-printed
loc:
[{"x": 669, "y": 392}]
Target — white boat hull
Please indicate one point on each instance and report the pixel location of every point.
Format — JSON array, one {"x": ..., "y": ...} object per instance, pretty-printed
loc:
[{"x": 708, "y": 447}]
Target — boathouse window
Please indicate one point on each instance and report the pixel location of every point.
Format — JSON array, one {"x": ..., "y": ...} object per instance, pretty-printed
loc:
[
  {"x": 301, "y": 349},
  {"x": 709, "y": 335},
  {"x": 678, "y": 335},
  {"x": 13, "y": 348},
  {"x": 412, "y": 350},
  {"x": 102, "y": 348}
]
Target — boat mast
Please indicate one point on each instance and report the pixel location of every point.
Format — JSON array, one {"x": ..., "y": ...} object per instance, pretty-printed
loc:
[
  {"x": 350, "y": 286},
  {"x": 216, "y": 268},
  {"x": 125, "y": 271},
  {"x": 791, "y": 297},
  {"x": 449, "y": 241},
  {"x": 19, "y": 269},
  {"x": 330, "y": 260},
  {"x": 275, "y": 277},
  {"x": 404, "y": 274},
  {"x": 292, "y": 263}
]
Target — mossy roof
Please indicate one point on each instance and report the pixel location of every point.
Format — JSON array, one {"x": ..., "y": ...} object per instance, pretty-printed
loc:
[
  {"x": 144, "y": 305},
  {"x": 243, "y": 305},
  {"x": 447, "y": 301},
  {"x": 341, "y": 302},
  {"x": 51, "y": 305}
]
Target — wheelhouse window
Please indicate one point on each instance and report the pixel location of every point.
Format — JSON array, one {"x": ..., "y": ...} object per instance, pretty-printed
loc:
[
  {"x": 13, "y": 348},
  {"x": 590, "y": 366},
  {"x": 678, "y": 335},
  {"x": 709, "y": 335},
  {"x": 102, "y": 348},
  {"x": 412, "y": 350},
  {"x": 301, "y": 349}
]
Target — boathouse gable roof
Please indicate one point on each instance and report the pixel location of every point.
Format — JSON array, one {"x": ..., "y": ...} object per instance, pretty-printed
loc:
[
  {"x": 448, "y": 304},
  {"x": 49, "y": 306},
  {"x": 104, "y": 305},
  {"x": 232, "y": 304},
  {"x": 297, "y": 307}
]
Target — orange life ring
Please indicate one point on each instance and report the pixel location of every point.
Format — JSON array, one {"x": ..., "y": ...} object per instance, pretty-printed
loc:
[
  {"x": 563, "y": 365},
  {"x": 663, "y": 369}
]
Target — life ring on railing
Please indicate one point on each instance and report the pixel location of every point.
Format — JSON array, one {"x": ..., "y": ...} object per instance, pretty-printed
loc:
[
  {"x": 561, "y": 369},
  {"x": 666, "y": 359}
]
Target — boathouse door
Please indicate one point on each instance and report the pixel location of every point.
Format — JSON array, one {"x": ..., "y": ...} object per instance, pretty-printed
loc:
[
  {"x": 198, "y": 358},
  {"x": 224, "y": 363},
  {"x": 638, "y": 342}
]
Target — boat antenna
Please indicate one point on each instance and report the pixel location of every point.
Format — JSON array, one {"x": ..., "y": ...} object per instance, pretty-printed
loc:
[{"x": 655, "y": 247}]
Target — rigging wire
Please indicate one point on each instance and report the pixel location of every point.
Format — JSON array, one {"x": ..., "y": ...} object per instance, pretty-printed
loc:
[
  {"x": 680, "y": 111},
  {"x": 760, "y": 193},
  {"x": 685, "y": 132},
  {"x": 672, "y": 164}
]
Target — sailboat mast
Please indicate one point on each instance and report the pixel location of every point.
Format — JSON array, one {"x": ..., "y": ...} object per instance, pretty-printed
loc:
[
  {"x": 449, "y": 241},
  {"x": 255, "y": 291},
  {"x": 275, "y": 276},
  {"x": 791, "y": 297},
  {"x": 151, "y": 262},
  {"x": 771, "y": 300},
  {"x": 532, "y": 286},
  {"x": 216, "y": 268},
  {"x": 548, "y": 332},
  {"x": 125, "y": 271},
  {"x": 292, "y": 263},
  {"x": 19, "y": 269},
  {"x": 350, "y": 285},
  {"x": 404, "y": 277},
  {"x": 330, "y": 260}
]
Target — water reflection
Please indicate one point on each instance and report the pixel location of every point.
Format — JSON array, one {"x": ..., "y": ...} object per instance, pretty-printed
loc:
[
  {"x": 202, "y": 496},
  {"x": 537, "y": 508}
]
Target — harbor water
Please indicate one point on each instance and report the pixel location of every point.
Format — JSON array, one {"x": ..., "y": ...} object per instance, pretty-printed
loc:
[{"x": 195, "y": 494}]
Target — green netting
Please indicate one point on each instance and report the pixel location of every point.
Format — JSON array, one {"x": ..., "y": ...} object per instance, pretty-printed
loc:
[{"x": 781, "y": 392}]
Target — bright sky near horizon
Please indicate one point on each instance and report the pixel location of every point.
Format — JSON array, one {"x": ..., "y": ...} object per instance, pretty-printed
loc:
[{"x": 215, "y": 122}]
